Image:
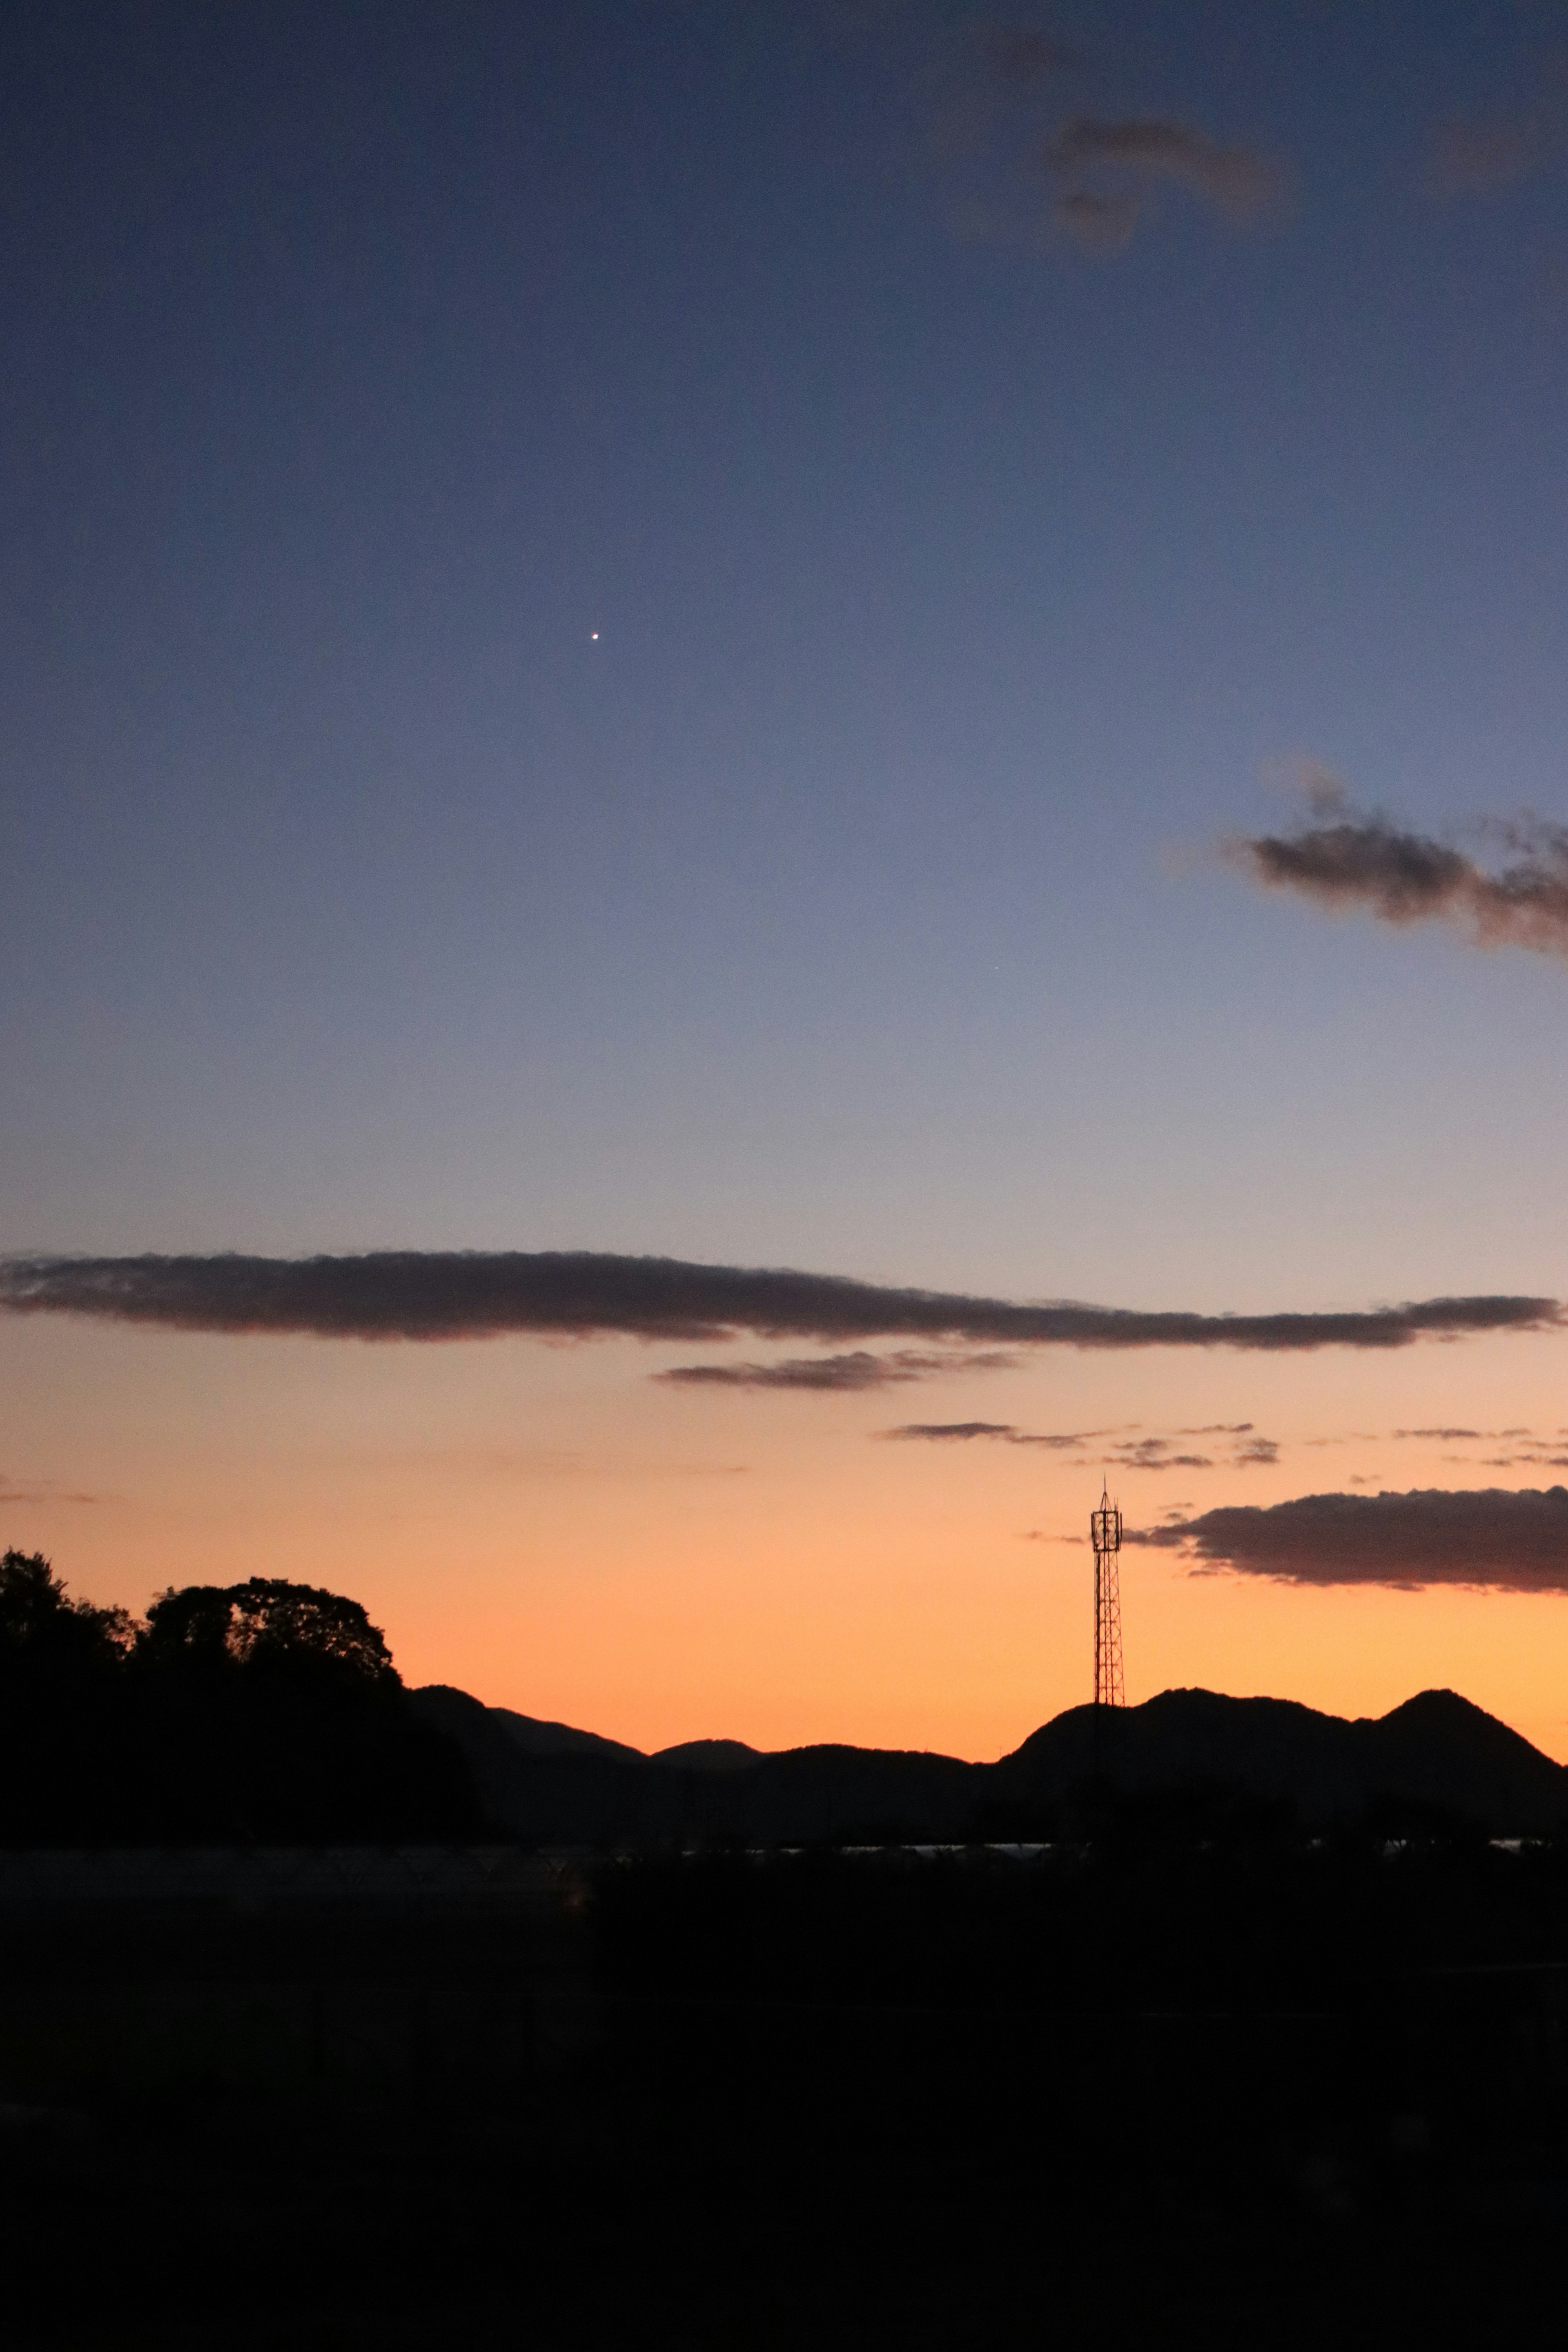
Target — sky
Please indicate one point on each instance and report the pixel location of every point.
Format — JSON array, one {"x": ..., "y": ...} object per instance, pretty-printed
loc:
[{"x": 920, "y": 643}]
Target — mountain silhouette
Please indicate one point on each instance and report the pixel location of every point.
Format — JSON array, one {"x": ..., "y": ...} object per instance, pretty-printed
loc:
[
  {"x": 1437, "y": 1753},
  {"x": 710, "y": 1755}
]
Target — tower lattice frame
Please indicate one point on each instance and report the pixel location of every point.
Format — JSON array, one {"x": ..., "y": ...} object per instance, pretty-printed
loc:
[{"x": 1105, "y": 1534}]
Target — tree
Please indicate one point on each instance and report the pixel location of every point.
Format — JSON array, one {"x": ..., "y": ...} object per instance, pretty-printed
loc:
[
  {"x": 266, "y": 1623},
  {"x": 38, "y": 1623}
]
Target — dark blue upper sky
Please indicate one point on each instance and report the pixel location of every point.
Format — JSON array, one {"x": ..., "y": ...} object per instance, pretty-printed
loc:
[{"x": 967, "y": 551}]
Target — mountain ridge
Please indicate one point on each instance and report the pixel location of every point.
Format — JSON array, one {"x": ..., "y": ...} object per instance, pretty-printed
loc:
[{"x": 1438, "y": 1750}]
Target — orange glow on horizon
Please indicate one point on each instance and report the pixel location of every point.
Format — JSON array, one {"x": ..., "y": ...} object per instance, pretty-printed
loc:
[{"x": 547, "y": 1529}]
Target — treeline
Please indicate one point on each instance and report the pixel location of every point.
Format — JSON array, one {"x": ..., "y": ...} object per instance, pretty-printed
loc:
[{"x": 265, "y": 1713}]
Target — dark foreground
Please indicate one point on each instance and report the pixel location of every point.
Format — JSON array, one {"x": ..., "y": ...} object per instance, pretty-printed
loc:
[{"x": 1192, "y": 2076}]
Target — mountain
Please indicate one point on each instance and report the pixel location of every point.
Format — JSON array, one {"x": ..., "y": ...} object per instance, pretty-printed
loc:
[
  {"x": 710, "y": 1755},
  {"x": 526, "y": 1732},
  {"x": 1437, "y": 1749},
  {"x": 549, "y": 1784}
]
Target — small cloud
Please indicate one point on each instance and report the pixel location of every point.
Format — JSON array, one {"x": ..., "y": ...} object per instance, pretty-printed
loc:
[
  {"x": 1039, "y": 1534},
  {"x": 1235, "y": 180},
  {"x": 1217, "y": 1429},
  {"x": 1400, "y": 878},
  {"x": 40, "y": 1490},
  {"x": 960, "y": 1432},
  {"x": 1258, "y": 1453},
  {"x": 951, "y": 1433},
  {"x": 837, "y": 1375},
  {"x": 1155, "y": 1453}
]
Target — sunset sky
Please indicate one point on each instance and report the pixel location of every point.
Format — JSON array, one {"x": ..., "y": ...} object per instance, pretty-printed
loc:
[{"x": 917, "y": 643}]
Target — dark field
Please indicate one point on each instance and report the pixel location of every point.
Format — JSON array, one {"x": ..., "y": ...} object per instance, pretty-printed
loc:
[{"x": 1235, "y": 2084}]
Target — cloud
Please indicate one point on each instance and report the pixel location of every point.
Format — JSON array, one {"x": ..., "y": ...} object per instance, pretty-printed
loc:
[
  {"x": 40, "y": 1490},
  {"x": 837, "y": 1375},
  {"x": 961, "y": 1431},
  {"x": 1491, "y": 1538},
  {"x": 1155, "y": 1453},
  {"x": 1355, "y": 860},
  {"x": 1237, "y": 180},
  {"x": 1491, "y": 1436},
  {"x": 1121, "y": 1454},
  {"x": 583, "y": 1294}
]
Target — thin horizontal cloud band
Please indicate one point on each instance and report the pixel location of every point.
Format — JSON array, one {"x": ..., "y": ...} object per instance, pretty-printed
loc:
[{"x": 585, "y": 1294}]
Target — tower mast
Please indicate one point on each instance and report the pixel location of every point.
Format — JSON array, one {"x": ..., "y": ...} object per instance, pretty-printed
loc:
[{"x": 1105, "y": 1534}]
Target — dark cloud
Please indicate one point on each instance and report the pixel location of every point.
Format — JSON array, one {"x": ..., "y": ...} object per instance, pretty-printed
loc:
[
  {"x": 1490, "y": 1436},
  {"x": 837, "y": 1375},
  {"x": 581, "y": 1294},
  {"x": 943, "y": 1433},
  {"x": 1503, "y": 1540},
  {"x": 1217, "y": 1429},
  {"x": 1354, "y": 860},
  {"x": 952, "y": 1432},
  {"x": 1235, "y": 179},
  {"x": 1258, "y": 1453},
  {"x": 1156, "y": 1454}
]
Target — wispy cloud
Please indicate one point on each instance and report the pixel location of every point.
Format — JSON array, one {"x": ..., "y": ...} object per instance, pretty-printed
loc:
[
  {"x": 1021, "y": 171},
  {"x": 433, "y": 1295},
  {"x": 839, "y": 1375},
  {"x": 1117, "y": 1453},
  {"x": 1351, "y": 860},
  {"x": 40, "y": 1490},
  {"x": 1491, "y": 1538},
  {"x": 960, "y": 1432},
  {"x": 1237, "y": 180},
  {"x": 1156, "y": 1454}
]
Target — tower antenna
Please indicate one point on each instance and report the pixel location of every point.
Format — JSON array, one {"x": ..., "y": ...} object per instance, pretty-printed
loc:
[{"x": 1105, "y": 1534}]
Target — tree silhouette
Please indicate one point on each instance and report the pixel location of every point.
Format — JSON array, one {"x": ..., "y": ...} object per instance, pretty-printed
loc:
[
  {"x": 265, "y": 1621},
  {"x": 38, "y": 1623},
  {"x": 265, "y": 1710}
]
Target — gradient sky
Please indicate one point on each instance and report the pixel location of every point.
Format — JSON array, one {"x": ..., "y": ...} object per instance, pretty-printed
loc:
[{"x": 638, "y": 629}]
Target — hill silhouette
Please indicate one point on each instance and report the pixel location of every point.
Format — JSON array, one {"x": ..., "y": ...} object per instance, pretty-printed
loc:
[{"x": 1437, "y": 1754}]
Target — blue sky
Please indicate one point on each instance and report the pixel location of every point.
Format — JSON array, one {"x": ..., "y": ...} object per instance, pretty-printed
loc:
[{"x": 368, "y": 359}]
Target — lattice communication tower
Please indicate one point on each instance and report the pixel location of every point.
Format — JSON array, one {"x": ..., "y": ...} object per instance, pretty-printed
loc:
[{"x": 1105, "y": 1534}]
